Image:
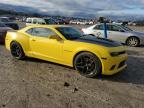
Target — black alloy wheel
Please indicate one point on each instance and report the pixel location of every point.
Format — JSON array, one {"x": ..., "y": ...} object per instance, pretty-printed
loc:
[
  {"x": 87, "y": 64},
  {"x": 17, "y": 51}
]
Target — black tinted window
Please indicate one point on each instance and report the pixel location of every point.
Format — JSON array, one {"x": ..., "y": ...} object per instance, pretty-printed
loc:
[
  {"x": 70, "y": 33},
  {"x": 42, "y": 32}
]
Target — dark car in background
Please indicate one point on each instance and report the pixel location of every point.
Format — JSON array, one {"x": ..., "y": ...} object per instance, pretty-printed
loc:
[
  {"x": 49, "y": 21},
  {"x": 62, "y": 21},
  {"x": 3, "y": 31},
  {"x": 7, "y": 22}
]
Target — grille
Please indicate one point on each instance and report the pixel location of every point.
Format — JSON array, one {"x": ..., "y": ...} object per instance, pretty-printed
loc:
[
  {"x": 121, "y": 64},
  {"x": 123, "y": 52},
  {"x": 112, "y": 68},
  {"x": 117, "y": 53}
]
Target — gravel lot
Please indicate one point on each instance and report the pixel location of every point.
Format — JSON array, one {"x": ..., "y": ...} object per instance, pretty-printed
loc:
[{"x": 34, "y": 83}]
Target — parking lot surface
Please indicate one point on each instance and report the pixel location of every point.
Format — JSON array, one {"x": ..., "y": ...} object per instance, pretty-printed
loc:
[{"x": 33, "y": 83}]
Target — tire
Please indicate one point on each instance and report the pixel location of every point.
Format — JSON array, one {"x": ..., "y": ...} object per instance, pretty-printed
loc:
[
  {"x": 17, "y": 51},
  {"x": 133, "y": 41},
  {"x": 87, "y": 64}
]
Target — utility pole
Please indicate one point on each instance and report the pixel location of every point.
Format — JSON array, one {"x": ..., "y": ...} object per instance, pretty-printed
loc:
[
  {"x": 103, "y": 20},
  {"x": 105, "y": 30}
]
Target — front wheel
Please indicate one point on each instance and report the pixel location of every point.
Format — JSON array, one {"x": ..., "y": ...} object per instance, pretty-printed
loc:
[
  {"x": 17, "y": 51},
  {"x": 133, "y": 41},
  {"x": 87, "y": 64}
]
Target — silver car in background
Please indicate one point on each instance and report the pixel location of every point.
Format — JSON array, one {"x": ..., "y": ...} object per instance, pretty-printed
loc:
[{"x": 117, "y": 32}]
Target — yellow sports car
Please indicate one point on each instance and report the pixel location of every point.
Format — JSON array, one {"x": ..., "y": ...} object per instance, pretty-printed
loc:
[{"x": 66, "y": 45}]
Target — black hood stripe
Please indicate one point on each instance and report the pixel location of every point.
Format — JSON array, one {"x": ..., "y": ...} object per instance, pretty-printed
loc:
[{"x": 98, "y": 41}]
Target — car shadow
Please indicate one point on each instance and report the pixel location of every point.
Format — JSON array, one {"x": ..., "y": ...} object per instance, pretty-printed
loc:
[
  {"x": 142, "y": 46},
  {"x": 133, "y": 74},
  {"x": 29, "y": 59}
]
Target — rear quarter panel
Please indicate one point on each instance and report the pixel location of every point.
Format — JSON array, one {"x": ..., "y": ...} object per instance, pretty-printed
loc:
[{"x": 19, "y": 37}]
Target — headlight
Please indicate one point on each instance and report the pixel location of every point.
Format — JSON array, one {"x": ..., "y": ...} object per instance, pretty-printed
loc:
[{"x": 114, "y": 54}]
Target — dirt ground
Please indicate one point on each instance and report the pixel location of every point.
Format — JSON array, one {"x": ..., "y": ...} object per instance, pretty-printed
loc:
[{"x": 34, "y": 83}]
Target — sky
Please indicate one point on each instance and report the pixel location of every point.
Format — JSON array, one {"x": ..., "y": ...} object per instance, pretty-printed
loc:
[{"x": 78, "y": 7}]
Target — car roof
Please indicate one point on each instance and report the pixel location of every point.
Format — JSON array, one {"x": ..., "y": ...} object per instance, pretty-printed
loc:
[
  {"x": 107, "y": 24},
  {"x": 34, "y": 18},
  {"x": 44, "y": 26}
]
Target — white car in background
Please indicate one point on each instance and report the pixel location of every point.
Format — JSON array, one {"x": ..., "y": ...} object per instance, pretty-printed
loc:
[
  {"x": 73, "y": 22},
  {"x": 33, "y": 21},
  {"x": 117, "y": 32}
]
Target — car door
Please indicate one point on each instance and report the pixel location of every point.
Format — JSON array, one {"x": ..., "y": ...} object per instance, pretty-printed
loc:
[
  {"x": 98, "y": 30},
  {"x": 43, "y": 46},
  {"x": 116, "y": 33}
]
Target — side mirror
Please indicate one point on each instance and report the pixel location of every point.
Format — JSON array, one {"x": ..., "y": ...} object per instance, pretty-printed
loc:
[{"x": 55, "y": 37}]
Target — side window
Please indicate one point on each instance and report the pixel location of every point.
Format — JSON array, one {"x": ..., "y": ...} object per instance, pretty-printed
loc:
[
  {"x": 99, "y": 27},
  {"x": 29, "y": 21},
  {"x": 34, "y": 21},
  {"x": 109, "y": 27},
  {"x": 115, "y": 28},
  {"x": 42, "y": 32},
  {"x": 41, "y": 22},
  {"x": 29, "y": 31}
]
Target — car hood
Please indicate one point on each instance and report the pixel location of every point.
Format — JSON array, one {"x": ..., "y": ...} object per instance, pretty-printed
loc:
[
  {"x": 98, "y": 41},
  {"x": 136, "y": 33},
  {"x": 8, "y": 22},
  {"x": 4, "y": 29}
]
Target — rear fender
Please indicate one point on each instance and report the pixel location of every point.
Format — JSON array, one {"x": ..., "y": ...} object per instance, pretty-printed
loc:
[{"x": 22, "y": 39}]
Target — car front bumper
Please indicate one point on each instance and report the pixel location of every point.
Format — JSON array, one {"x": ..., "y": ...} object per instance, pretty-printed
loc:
[{"x": 113, "y": 65}]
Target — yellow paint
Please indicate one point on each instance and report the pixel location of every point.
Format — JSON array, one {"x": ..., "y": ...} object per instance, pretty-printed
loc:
[{"x": 64, "y": 51}]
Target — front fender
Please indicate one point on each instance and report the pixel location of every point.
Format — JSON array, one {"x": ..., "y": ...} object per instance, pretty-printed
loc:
[{"x": 98, "y": 51}]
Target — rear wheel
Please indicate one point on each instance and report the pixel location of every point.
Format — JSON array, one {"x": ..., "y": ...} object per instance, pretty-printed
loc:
[
  {"x": 133, "y": 41},
  {"x": 87, "y": 64},
  {"x": 17, "y": 51}
]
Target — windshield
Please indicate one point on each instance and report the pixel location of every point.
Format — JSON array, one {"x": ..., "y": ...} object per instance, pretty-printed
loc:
[
  {"x": 4, "y": 20},
  {"x": 70, "y": 33},
  {"x": 126, "y": 28},
  {"x": 49, "y": 21}
]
